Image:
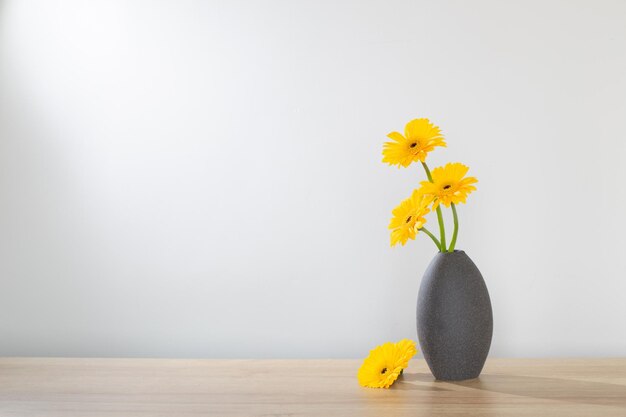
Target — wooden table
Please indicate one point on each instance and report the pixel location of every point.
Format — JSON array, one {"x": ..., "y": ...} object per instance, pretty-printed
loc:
[{"x": 223, "y": 388}]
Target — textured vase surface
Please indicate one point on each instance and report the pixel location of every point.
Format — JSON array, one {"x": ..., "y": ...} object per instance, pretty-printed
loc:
[{"x": 454, "y": 317}]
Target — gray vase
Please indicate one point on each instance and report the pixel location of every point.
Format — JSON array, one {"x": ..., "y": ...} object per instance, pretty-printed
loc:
[{"x": 454, "y": 318}]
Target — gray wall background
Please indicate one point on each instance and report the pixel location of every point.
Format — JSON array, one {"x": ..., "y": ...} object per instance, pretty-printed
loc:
[{"x": 203, "y": 179}]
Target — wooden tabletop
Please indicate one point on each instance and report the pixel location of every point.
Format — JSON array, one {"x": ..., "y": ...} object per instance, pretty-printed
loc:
[{"x": 173, "y": 387}]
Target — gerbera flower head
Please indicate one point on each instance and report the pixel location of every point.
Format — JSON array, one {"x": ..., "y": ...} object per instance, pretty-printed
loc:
[
  {"x": 420, "y": 137},
  {"x": 385, "y": 363},
  {"x": 408, "y": 217},
  {"x": 450, "y": 185}
]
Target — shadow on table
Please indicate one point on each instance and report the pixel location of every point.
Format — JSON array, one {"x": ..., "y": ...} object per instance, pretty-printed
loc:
[
  {"x": 431, "y": 385},
  {"x": 583, "y": 392}
]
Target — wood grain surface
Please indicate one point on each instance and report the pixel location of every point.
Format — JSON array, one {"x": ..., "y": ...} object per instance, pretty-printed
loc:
[{"x": 175, "y": 387}]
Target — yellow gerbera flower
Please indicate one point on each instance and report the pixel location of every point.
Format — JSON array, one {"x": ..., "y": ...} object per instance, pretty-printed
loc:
[
  {"x": 385, "y": 363},
  {"x": 408, "y": 217},
  {"x": 420, "y": 137},
  {"x": 449, "y": 185}
]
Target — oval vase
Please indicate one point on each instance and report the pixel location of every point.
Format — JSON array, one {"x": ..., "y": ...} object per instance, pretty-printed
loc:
[{"x": 454, "y": 317}]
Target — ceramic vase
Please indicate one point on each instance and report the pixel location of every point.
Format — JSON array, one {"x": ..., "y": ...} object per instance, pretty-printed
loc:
[{"x": 454, "y": 317}]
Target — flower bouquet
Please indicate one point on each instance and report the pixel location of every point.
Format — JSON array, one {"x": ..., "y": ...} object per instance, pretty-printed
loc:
[{"x": 454, "y": 316}]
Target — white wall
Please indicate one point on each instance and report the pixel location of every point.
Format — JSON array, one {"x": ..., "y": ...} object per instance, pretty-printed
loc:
[{"x": 203, "y": 179}]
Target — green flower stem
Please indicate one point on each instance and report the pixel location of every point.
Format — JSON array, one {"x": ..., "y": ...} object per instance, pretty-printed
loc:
[
  {"x": 456, "y": 228},
  {"x": 442, "y": 229},
  {"x": 425, "y": 230}
]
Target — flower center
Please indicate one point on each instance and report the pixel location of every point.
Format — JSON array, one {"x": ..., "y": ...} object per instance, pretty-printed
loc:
[
  {"x": 414, "y": 144},
  {"x": 408, "y": 219},
  {"x": 383, "y": 371},
  {"x": 446, "y": 187}
]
